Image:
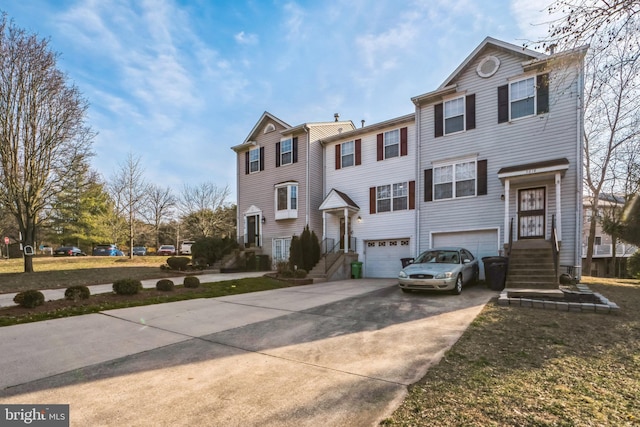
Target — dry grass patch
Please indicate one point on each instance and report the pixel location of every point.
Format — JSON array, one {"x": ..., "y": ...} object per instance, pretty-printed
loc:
[
  {"x": 54, "y": 273},
  {"x": 533, "y": 367}
]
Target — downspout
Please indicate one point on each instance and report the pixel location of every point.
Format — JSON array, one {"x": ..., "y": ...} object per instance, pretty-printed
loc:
[
  {"x": 580, "y": 153},
  {"x": 307, "y": 196},
  {"x": 418, "y": 181},
  {"x": 238, "y": 213}
]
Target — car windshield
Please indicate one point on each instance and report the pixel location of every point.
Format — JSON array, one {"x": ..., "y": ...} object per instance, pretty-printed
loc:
[{"x": 440, "y": 257}]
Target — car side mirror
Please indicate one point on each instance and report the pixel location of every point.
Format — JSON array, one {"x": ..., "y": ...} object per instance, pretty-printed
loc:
[{"x": 466, "y": 261}]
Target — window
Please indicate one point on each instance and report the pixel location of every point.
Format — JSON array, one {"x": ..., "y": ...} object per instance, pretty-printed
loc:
[
  {"x": 286, "y": 200},
  {"x": 454, "y": 115},
  {"x": 347, "y": 154},
  {"x": 286, "y": 152},
  {"x": 522, "y": 98},
  {"x": 281, "y": 249},
  {"x": 453, "y": 181},
  {"x": 391, "y": 143},
  {"x": 254, "y": 160},
  {"x": 392, "y": 197},
  {"x": 598, "y": 241}
]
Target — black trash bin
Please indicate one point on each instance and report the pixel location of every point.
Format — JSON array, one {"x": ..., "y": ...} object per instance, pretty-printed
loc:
[{"x": 495, "y": 271}]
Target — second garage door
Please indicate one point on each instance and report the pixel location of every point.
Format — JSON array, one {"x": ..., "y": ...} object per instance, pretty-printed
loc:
[
  {"x": 382, "y": 257},
  {"x": 481, "y": 243}
]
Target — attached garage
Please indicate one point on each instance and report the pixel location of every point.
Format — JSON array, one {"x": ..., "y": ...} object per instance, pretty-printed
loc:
[
  {"x": 382, "y": 257},
  {"x": 481, "y": 243}
]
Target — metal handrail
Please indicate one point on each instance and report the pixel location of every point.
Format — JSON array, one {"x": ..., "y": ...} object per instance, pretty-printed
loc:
[
  {"x": 510, "y": 238},
  {"x": 555, "y": 246}
]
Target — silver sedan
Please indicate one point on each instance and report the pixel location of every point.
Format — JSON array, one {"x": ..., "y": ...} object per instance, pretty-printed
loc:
[{"x": 440, "y": 269}]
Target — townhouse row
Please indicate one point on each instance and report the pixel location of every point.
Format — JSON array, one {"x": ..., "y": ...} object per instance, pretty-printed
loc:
[{"x": 493, "y": 155}]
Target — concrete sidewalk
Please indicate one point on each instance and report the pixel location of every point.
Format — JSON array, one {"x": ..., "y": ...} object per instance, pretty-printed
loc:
[
  {"x": 334, "y": 353},
  {"x": 6, "y": 300}
]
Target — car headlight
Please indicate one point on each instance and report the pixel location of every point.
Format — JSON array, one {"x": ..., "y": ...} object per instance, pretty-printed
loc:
[
  {"x": 446, "y": 275},
  {"x": 402, "y": 275}
]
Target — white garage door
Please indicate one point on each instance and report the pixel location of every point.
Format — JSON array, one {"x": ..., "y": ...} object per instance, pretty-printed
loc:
[
  {"x": 382, "y": 257},
  {"x": 481, "y": 243}
]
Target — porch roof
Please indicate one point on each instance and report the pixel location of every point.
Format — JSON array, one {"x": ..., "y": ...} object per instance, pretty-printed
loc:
[
  {"x": 338, "y": 200},
  {"x": 535, "y": 168}
]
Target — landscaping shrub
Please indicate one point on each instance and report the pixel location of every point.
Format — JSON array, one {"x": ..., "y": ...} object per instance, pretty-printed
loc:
[
  {"x": 191, "y": 282},
  {"x": 29, "y": 299},
  {"x": 282, "y": 266},
  {"x": 212, "y": 249},
  {"x": 633, "y": 265},
  {"x": 164, "y": 285},
  {"x": 179, "y": 263},
  {"x": 287, "y": 274},
  {"x": 127, "y": 286},
  {"x": 199, "y": 263},
  {"x": 75, "y": 293},
  {"x": 300, "y": 273},
  {"x": 304, "y": 252},
  {"x": 295, "y": 253}
]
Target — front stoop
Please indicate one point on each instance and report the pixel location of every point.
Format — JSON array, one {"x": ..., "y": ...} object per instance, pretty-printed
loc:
[{"x": 531, "y": 265}]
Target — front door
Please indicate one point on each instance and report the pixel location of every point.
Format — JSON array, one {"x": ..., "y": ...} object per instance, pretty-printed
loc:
[
  {"x": 253, "y": 231},
  {"x": 531, "y": 213}
]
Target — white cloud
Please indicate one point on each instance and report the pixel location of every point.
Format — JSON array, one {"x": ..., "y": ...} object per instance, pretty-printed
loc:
[
  {"x": 248, "y": 39},
  {"x": 531, "y": 18}
]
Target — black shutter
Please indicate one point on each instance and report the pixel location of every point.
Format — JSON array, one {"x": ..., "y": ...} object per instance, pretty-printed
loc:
[
  {"x": 503, "y": 104},
  {"x": 470, "y": 111},
  {"x": 295, "y": 149},
  {"x": 482, "y": 177},
  {"x": 277, "y": 154},
  {"x": 438, "y": 119},
  {"x": 428, "y": 185},
  {"x": 543, "y": 93},
  {"x": 261, "y": 158},
  {"x": 246, "y": 163}
]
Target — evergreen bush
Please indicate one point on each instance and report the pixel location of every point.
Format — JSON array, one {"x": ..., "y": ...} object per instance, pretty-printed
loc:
[
  {"x": 164, "y": 285},
  {"x": 191, "y": 282},
  {"x": 633, "y": 265},
  {"x": 179, "y": 263},
  {"x": 29, "y": 299},
  {"x": 75, "y": 293},
  {"x": 127, "y": 286}
]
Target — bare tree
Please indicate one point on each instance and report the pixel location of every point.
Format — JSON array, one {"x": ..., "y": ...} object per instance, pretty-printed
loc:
[
  {"x": 199, "y": 206},
  {"x": 42, "y": 128},
  {"x": 612, "y": 86},
  {"x": 159, "y": 207},
  {"x": 129, "y": 189}
]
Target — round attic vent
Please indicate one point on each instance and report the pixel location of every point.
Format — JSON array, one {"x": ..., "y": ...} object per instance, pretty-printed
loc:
[{"x": 488, "y": 66}]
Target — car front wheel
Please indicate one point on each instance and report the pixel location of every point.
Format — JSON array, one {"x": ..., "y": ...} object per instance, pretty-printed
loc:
[{"x": 457, "y": 289}]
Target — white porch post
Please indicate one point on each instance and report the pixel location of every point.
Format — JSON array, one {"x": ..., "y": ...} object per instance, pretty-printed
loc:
[
  {"x": 558, "y": 206},
  {"x": 324, "y": 225},
  {"x": 346, "y": 230},
  {"x": 245, "y": 236},
  {"x": 506, "y": 211}
]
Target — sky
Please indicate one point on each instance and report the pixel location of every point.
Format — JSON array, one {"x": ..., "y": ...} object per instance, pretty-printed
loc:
[{"x": 177, "y": 83}]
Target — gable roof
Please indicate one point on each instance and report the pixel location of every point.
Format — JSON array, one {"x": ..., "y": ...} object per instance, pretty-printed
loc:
[
  {"x": 338, "y": 200},
  {"x": 449, "y": 86},
  {"x": 259, "y": 124}
]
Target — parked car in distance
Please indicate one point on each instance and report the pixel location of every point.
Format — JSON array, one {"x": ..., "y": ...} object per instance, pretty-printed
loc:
[
  {"x": 68, "y": 251},
  {"x": 107, "y": 250},
  {"x": 139, "y": 250},
  {"x": 185, "y": 247},
  {"x": 440, "y": 269},
  {"x": 166, "y": 250}
]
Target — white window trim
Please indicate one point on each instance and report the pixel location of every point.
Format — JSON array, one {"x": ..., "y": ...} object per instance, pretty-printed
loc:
[
  {"x": 288, "y": 213},
  {"x": 453, "y": 163},
  {"x": 290, "y": 151},
  {"x": 257, "y": 161},
  {"x": 391, "y": 197},
  {"x": 352, "y": 154},
  {"x": 444, "y": 115},
  {"x": 535, "y": 95},
  {"x": 285, "y": 245},
  {"x": 385, "y": 145}
]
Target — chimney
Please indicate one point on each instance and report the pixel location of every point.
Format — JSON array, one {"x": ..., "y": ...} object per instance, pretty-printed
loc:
[
  {"x": 362, "y": 122},
  {"x": 336, "y": 116}
]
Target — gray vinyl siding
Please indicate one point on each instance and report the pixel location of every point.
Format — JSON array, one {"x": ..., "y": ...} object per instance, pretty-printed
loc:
[{"x": 552, "y": 135}]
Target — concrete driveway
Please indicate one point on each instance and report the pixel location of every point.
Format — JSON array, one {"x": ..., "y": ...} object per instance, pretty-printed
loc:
[{"x": 331, "y": 354}]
